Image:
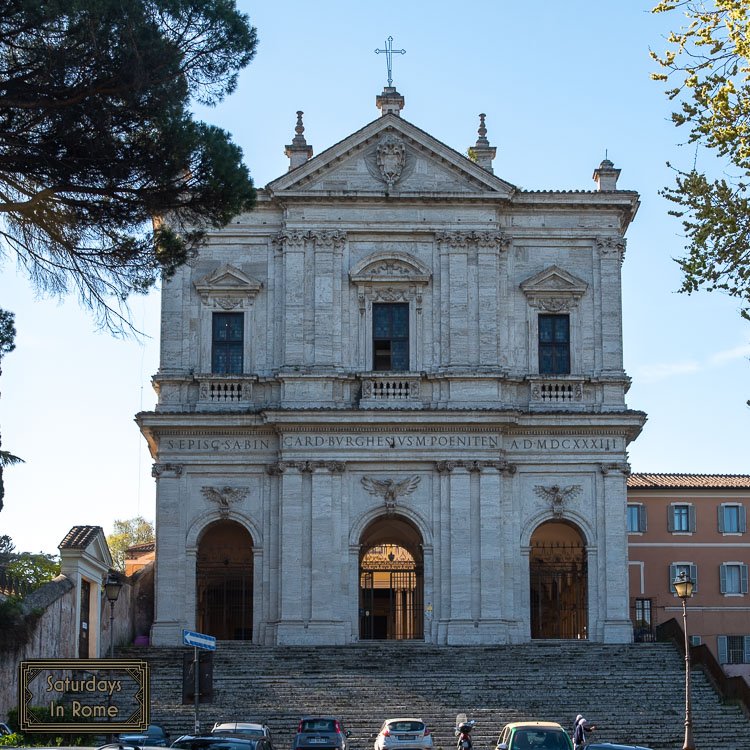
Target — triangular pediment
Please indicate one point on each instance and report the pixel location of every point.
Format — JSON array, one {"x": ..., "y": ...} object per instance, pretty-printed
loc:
[
  {"x": 390, "y": 156},
  {"x": 554, "y": 280},
  {"x": 228, "y": 288}
]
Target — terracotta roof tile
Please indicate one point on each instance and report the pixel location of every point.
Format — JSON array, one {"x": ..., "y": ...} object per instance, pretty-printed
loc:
[
  {"x": 689, "y": 481},
  {"x": 79, "y": 537},
  {"x": 136, "y": 549}
]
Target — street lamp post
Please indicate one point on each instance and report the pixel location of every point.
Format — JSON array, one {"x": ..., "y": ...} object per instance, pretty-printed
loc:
[
  {"x": 683, "y": 587},
  {"x": 112, "y": 588}
]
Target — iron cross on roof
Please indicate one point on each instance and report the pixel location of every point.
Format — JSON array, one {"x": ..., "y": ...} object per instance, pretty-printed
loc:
[{"x": 389, "y": 52}]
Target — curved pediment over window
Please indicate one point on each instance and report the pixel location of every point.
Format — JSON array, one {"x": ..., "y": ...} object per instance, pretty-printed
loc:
[
  {"x": 392, "y": 268},
  {"x": 228, "y": 288},
  {"x": 554, "y": 289}
]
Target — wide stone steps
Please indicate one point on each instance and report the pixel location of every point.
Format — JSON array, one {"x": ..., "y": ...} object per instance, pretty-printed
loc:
[{"x": 635, "y": 693}]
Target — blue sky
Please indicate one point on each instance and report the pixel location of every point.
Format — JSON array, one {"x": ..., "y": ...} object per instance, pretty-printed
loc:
[{"x": 561, "y": 83}]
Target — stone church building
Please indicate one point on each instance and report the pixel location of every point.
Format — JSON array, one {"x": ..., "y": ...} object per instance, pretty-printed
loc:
[{"x": 391, "y": 405}]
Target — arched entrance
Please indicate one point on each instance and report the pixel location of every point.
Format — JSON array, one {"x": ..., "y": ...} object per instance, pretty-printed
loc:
[
  {"x": 224, "y": 582},
  {"x": 391, "y": 581},
  {"x": 559, "y": 580}
]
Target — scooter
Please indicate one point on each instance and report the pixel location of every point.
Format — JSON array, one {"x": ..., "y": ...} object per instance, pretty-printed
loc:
[{"x": 463, "y": 732}]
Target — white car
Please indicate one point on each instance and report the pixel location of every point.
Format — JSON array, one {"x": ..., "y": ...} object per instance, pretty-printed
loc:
[
  {"x": 403, "y": 733},
  {"x": 250, "y": 728}
]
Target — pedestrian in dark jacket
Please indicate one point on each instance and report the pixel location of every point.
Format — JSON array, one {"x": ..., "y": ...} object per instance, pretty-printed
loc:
[{"x": 581, "y": 729}]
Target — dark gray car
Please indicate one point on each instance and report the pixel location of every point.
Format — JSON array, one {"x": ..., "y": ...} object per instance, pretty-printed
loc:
[
  {"x": 320, "y": 733},
  {"x": 610, "y": 746}
]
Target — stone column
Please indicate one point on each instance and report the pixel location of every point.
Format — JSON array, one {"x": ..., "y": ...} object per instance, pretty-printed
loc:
[
  {"x": 327, "y": 313},
  {"x": 444, "y": 606},
  {"x": 460, "y": 555},
  {"x": 490, "y": 545},
  {"x": 170, "y": 615},
  {"x": 613, "y": 550},
  {"x": 292, "y": 245},
  {"x": 611, "y": 254},
  {"x": 490, "y": 247},
  {"x": 291, "y": 527}
]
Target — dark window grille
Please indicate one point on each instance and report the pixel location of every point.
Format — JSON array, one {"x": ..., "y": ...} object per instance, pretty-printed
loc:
[
  {"x": 554, "y": 344},
  {"x": 390, "y": 337},
  {"x": 227, "y": 343}
]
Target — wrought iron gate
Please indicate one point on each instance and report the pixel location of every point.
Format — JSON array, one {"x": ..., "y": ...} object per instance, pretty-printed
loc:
[
  {"x": 391, "y": 604},
  {"x": 559, "y": 601},
  {"x": 225, "y": 602}
]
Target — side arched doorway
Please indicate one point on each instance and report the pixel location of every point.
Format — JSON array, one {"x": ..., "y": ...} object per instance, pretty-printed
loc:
[
  {"x": 224, "y": 582},
  {"x": 559, "y": 582},
  {"x": 391, "y": 581}
]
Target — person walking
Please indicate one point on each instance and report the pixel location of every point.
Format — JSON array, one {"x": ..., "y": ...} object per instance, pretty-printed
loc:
[{"x": 581, "y": 729}]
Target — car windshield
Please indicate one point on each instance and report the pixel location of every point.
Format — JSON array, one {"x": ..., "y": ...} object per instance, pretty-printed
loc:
[
  {"x": 539, "y": 739},
  {"x": 215, "y": 743},
  {"x": 318, "y": 725},
  {"x": 406, "y": 726}
]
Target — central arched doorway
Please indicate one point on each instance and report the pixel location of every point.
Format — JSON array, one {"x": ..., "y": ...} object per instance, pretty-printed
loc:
[
  {"x": 391, "y": 581},
  {"x": 224, "y": 582},
  {"x": 559, "y": 581}
]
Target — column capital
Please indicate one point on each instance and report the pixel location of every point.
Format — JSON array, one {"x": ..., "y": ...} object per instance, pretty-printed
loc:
[{"x": 166, "y": 471}]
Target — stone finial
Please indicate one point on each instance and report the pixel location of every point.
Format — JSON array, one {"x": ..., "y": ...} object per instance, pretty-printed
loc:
[
  {"x": 606, "y": 175},
  {"x": 482, "y": 153},
  {"x": 298, "y": 151},
  {"x": 390, "y": 102}
]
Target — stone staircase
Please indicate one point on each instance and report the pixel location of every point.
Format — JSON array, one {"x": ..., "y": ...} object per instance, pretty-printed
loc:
[{"x": 634, "y": 693}]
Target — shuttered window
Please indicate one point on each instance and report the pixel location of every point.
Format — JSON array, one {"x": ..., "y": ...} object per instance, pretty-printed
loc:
[
  {"x": 636, "y": 518},
  {"x": 732, "y": 518},
  {"x": 689, "y": 569},
  {"x": 733, "y": 578},
  {"x": 734, "y": 649},
  {"x": 681, "y": 518}
]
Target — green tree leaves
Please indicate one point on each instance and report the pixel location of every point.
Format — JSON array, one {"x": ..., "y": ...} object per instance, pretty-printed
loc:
[
  {"x": 708, "y": 66},
  {"x": 106, "y": 181}
]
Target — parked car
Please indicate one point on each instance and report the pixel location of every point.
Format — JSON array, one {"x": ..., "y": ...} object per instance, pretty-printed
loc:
[
  {"x": 250, "y": 728},
  {"x": 324, "y": 732},
  {"x": 222, "y": 741},
  {"x": 534, "y": 735},
  {"x": 611, "y": 746},
  {"x": 403, "y": 733},
  {"x": 154, "y": 736},
  {"x": 4, "y": 729}
]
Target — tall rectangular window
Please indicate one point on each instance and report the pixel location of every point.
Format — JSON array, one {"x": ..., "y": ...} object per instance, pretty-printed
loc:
[
  {"x": 733, "y": 578},
  {"x": 554, "y": 344},
  {"x": 731, "y": 519},
  {"x": 689, "y": 569},
  {"x": 636, "y": 518},
  {"x": 227, "y": 343},
  {"x": 681, "y": 518},
  {"x": 390, "y": 337},
  {"x": 734, "y": 649}
]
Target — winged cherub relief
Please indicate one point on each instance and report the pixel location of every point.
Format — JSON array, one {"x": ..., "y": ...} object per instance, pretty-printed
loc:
[{"x": 390, "y": 490}]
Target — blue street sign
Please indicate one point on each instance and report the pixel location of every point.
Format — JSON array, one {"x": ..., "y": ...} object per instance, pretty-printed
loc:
[{"x": 199, "y": 640}]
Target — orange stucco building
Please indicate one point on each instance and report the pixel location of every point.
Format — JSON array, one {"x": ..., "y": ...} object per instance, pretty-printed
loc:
[{"x": 696, "y": 523}]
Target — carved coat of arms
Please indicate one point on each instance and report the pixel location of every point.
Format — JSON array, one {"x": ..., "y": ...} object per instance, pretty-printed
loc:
[{"x": 391, "y": 159}]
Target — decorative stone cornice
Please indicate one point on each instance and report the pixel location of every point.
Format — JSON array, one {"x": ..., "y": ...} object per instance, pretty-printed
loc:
[
  {"x": 479, "y": 239},
  {"x": 557, "y": 496},
  {"x": 277, "y": 469},
  {"x": 502, "y": 466},
  {"x": 295, "y": 238},
  {"x": 621, "y": 466},
  {"x": 159, "y": 471},
  {"x": 612, "y": 247},
  {"x": 224, "y": 497}
]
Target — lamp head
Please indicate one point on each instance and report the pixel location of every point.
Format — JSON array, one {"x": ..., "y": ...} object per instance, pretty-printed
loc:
[
  {"x": 112, "y": 588},
  {"x": 683, "y": 586}
]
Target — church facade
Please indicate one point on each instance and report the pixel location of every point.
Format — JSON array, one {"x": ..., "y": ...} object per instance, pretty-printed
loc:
[{"x": 391, "y": 404}]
